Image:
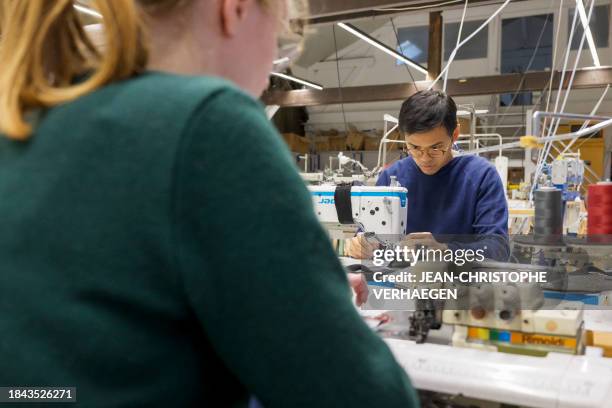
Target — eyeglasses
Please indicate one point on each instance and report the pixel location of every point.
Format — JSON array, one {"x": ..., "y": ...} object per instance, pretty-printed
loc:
[{"x": 432, "y": 152}]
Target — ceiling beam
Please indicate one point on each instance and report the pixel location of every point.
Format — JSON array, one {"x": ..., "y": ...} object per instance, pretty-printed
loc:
[
  {"x": 326, "y": 11},
  {"x": 320, "y": 8},
  {"x": 486, "y": 85},
  {"x": 434, "y": 54}
]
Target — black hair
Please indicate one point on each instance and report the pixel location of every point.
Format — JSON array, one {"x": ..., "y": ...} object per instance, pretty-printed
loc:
[{"x": 426, "y": 110}]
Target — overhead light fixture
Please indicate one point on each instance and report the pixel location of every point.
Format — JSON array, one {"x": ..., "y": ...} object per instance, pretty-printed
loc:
[
  {"x": 88, "y": 11},
  {"x": 298, "y": 80},
  {"x": 587, "y": 29},
  {"x": 358, "y": 33}
]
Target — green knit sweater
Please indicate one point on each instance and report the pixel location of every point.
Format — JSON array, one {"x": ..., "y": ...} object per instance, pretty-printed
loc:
[{"x": 159, "y": 249}]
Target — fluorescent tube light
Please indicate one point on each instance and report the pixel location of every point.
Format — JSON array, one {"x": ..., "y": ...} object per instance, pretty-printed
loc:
[
  {"x": 298, "y": 80},
  {"x": 358, "y": 33}
]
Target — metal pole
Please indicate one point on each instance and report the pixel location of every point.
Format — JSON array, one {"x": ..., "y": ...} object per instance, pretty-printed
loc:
[
  {"x": 472, "y": 127},
  {"x": 488, "y": 136},
  {"x": 536, "y": 125}
]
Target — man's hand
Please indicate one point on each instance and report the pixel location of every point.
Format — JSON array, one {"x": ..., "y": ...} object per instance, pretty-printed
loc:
[
  {"x": 359, "y": 248},
  {"x": 359, "y": 286},
  {"x": 425, "y": 239}
]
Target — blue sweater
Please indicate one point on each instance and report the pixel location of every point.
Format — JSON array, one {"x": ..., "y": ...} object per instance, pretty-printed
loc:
[{"x": 464, "y": 201}]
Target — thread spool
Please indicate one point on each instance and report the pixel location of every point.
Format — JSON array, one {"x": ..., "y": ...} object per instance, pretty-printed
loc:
[
  {"x": 599, "y": 209},
  {"x": 548, "y": 225}
]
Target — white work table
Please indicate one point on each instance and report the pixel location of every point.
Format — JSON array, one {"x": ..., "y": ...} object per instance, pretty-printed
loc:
[{"x": 555, "y": 381}]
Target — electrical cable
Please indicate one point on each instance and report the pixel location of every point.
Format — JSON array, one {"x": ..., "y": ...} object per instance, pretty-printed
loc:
[
  {"x": 458, "y": 41},
  {"x": 531, "y": 60},
  {"x": 402, "y": 51},
  {"x": 554, "y": 63},
  {"x": 468, "y": 38},
  {"x": 544, "y": 152},
  {"x": 573, "y": 75},
  {"x": 566, "y": 95},
  {"x": 339, "y": 81}
]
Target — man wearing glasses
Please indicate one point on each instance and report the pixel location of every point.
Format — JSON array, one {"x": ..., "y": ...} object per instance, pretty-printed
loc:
[{"x": 447, "y": 196}]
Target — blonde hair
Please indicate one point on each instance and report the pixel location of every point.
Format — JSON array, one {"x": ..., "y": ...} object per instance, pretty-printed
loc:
[{"x": 44, "y": 48}]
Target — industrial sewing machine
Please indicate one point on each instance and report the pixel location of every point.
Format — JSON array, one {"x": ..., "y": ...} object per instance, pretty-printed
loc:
[
  {"x": 345, "y": 209},
  {"x": 502, "y": 342},
  {"x": 484, "y": 316}
]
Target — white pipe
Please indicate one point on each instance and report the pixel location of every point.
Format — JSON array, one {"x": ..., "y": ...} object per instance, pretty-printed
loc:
[
  {"x": 488, "y": 136},
  {"x": 550, "y": 139},
  {"x": 487, "y": 149},
  {"x": 387, "y": 119},
  {"x": 383, "y": 141},
  {"x": 538, "y": 115},
  {"x": 468, "y": 142},
  {"x": 579, "y": 133}
]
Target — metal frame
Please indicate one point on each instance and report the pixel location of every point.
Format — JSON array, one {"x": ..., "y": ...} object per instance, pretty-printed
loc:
[
  {"x": 382, "y": 151},
  {"x": 476, "y": 137}
]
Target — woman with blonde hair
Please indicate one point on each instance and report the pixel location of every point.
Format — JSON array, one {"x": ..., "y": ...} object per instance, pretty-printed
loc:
[{"x": 144, "y": 262}]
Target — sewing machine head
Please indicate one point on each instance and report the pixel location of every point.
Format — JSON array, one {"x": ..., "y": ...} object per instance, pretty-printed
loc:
[{"x": 344, "y": 210}]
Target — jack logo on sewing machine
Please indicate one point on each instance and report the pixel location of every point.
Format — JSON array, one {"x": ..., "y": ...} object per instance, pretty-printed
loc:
[{"x": 326, "y": 201}]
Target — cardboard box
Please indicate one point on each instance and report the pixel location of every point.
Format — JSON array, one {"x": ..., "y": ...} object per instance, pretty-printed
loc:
[
  {"x": 337, "y": 143},
  {"x": 464, "y": 124},
  {"x": 396, "y": 135},
  {"x": 371, "y": 143},
  {"x": 297, "y": 143},
  {"x": 355, "y": 141},
  {"x": 322, "y": 144},
  {"x": 602, "y": 340},
  {"x": 330, "y": 132}
]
